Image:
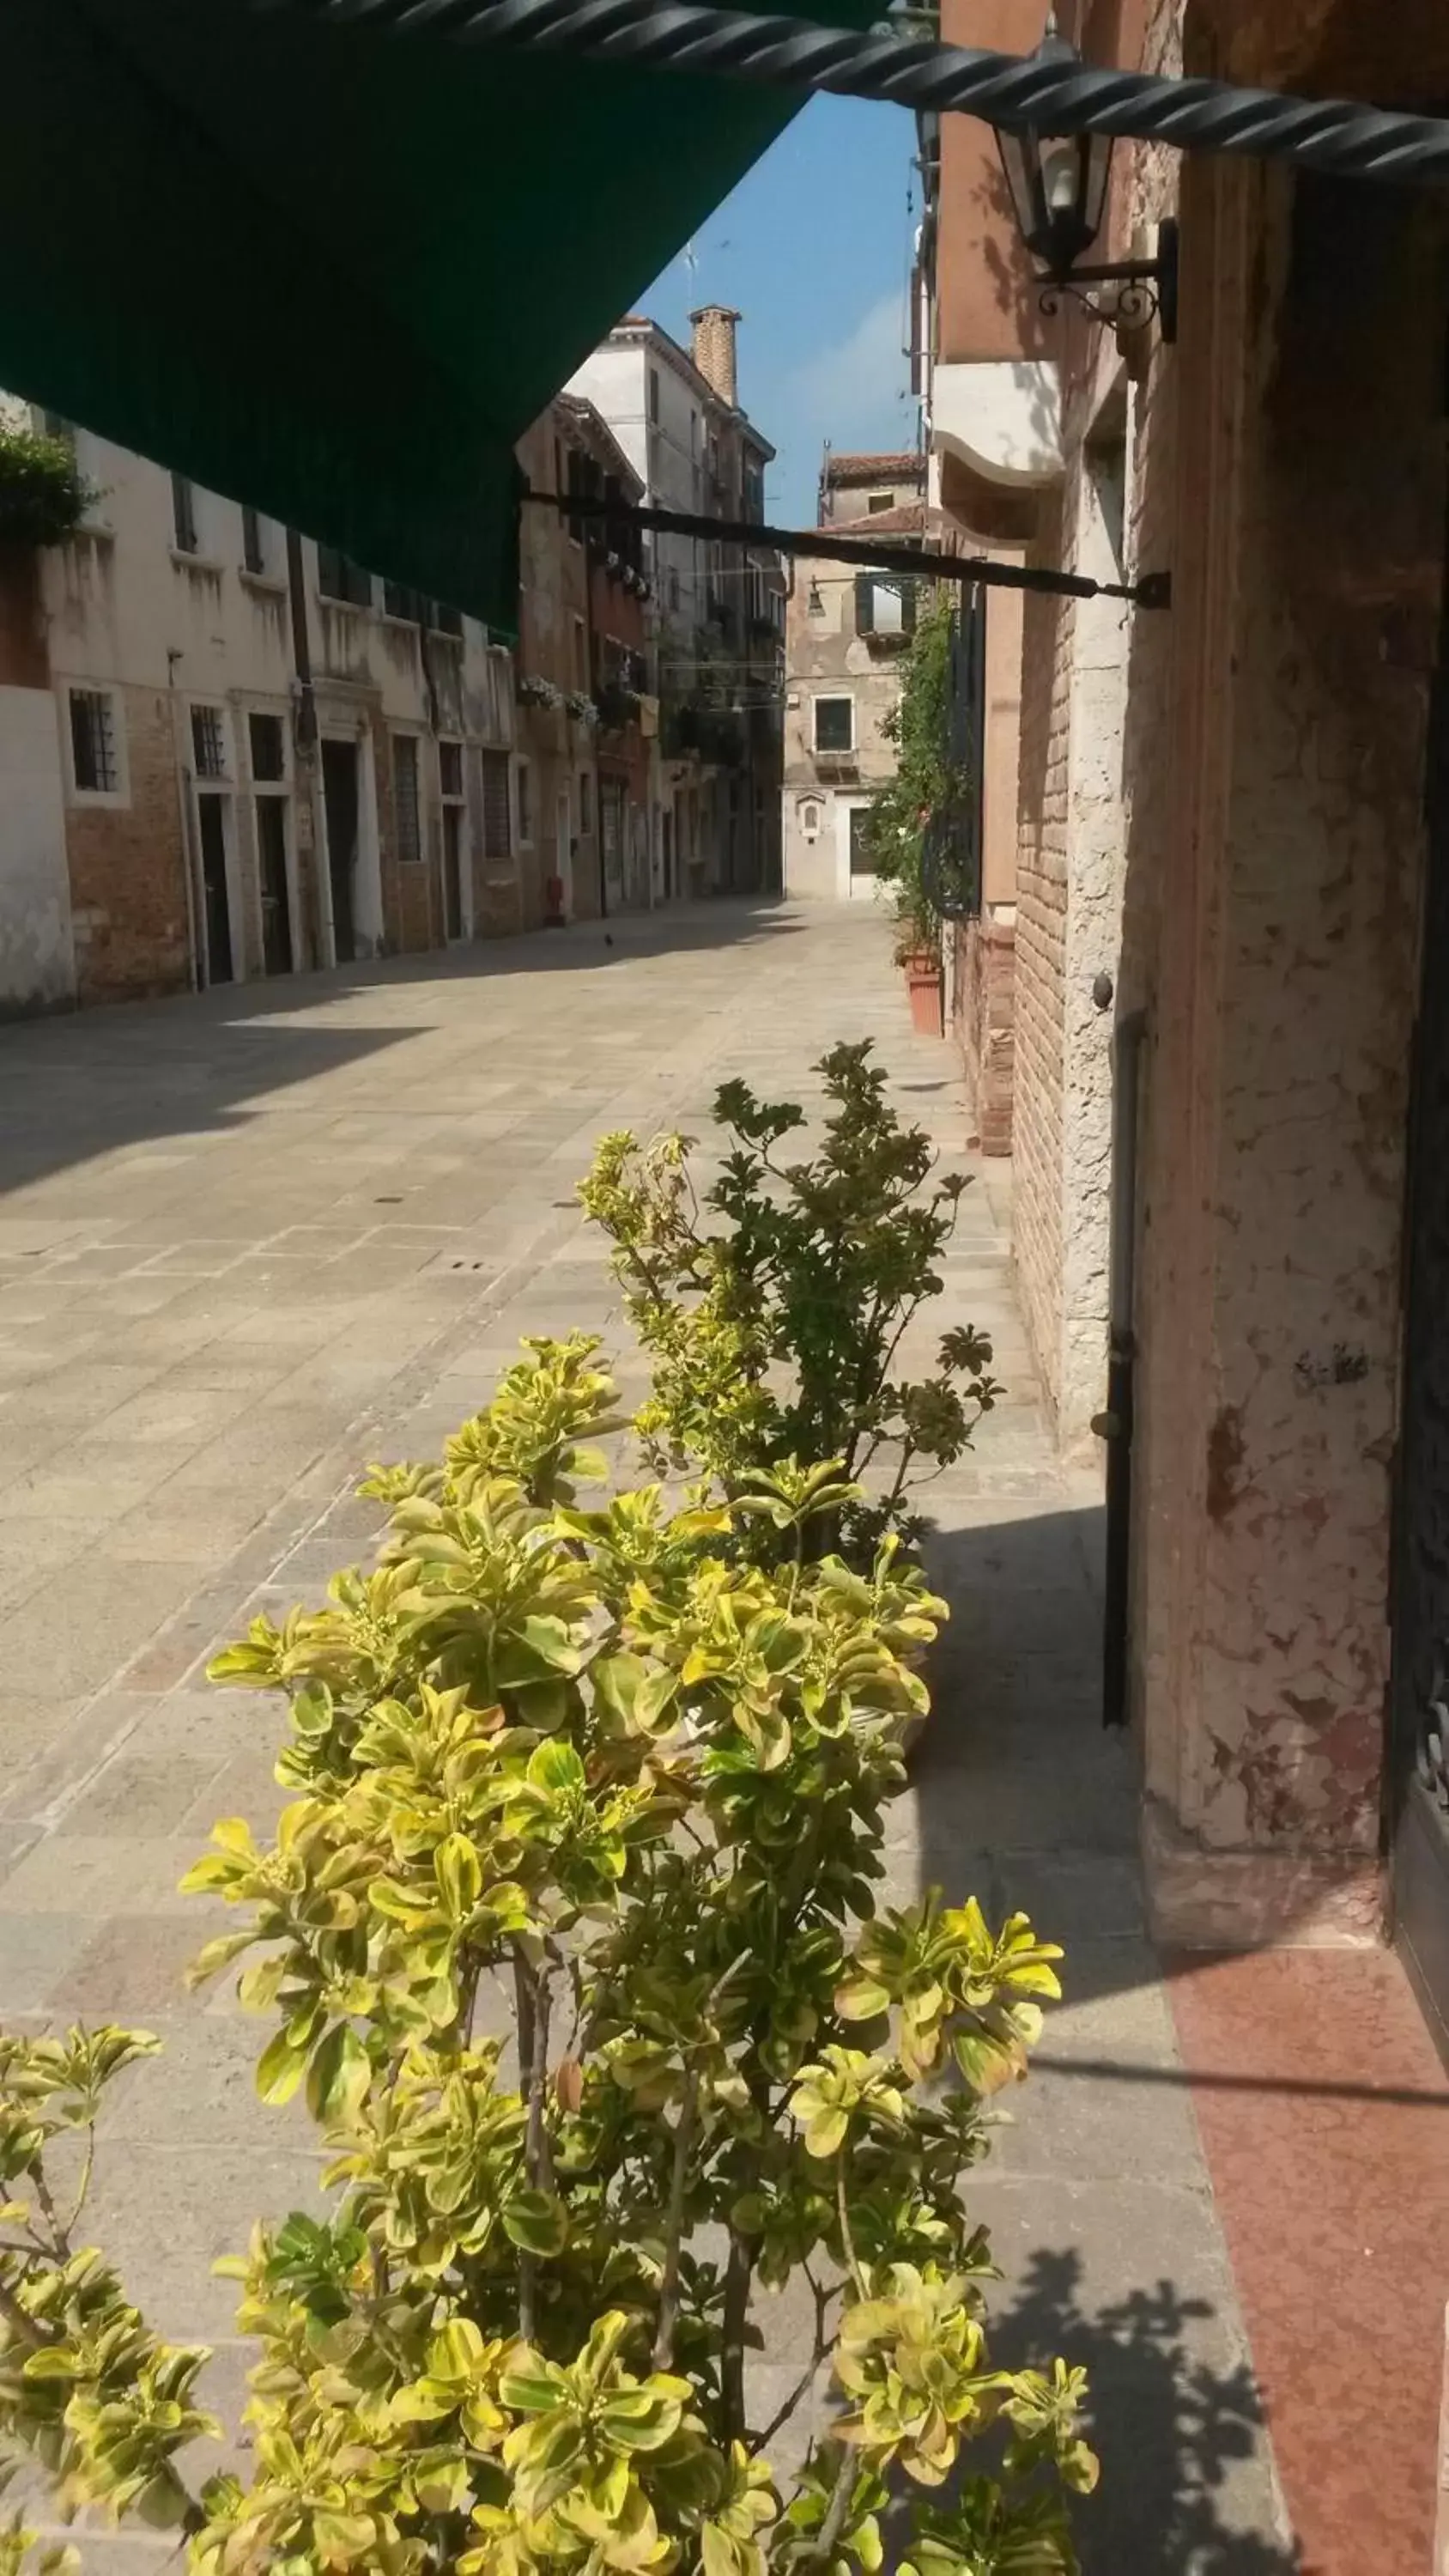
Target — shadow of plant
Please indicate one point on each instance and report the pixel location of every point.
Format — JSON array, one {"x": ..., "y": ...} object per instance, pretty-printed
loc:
[{"x": 1171, "y": 2430}]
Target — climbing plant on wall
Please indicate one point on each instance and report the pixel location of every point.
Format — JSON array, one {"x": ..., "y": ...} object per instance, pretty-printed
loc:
[{"x": 902, "y": 807}]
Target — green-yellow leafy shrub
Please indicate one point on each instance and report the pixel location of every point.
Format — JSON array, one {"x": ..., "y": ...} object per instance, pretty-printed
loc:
[
  {"x": 569, "y": 1937},
  {"x": 773, "y": 1314}
]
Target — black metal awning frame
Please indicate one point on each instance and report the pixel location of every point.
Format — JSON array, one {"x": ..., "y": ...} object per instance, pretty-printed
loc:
[
  {"x": 1154, "y": 590},
  {"x": 1054, "y": 94},
  {"x": 1057, "y": 96}
]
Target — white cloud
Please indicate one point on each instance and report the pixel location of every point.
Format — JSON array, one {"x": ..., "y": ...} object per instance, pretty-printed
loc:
[{"x": 856, "y": 393}]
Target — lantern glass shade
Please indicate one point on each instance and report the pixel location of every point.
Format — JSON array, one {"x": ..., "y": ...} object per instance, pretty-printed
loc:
[{"x": 1057, "y": 182}]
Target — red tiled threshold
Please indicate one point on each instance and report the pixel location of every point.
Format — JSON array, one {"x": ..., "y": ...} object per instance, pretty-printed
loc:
[{"x": 1322, "y": 2108}]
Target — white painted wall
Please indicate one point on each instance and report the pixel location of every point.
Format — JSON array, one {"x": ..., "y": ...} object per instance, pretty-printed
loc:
[
  {"x": 37, "y": 959},
  {"x": 667, "y": 453}
]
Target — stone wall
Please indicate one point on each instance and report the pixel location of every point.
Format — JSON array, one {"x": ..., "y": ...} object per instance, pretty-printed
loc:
[{"x": 983, "y": 1020}]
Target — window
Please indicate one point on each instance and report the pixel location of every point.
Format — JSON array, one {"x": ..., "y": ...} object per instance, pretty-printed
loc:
[
  {"x": 497, "y": 830},
  {"x": 399, "y": 601},
  {"x": 445, "y": 620},
  {"x": 817, "y": 600},
  {"x": 208, "y": 741},
  {"x": 862, "y": 862},
  {"x": 654, "y": 395},
  {"x": 450, "y": 781},
  {"x": 586, "y": 803},
  {"x": 885, "y": 603},
  {"x": 183, "y": 514},
  {"x": 94, "y": 763},
  {"x": 525, "y": 806},
  {"x": 673, "y": 587},
  {"x": 406, "y": 814},
  {"x": 338, "y": 577},
  {"x": 581, "y": 654},
  {"x": 878, "y": 501},
  {"x": 835, "y": 724},
  {"x": 254, "y": 553},
  {"x": 269, "y": 750}
]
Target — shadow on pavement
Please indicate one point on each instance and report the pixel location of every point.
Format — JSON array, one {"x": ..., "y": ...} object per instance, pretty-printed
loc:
[
  {"x": 1171, "y": 2429},
  {"x": 81, "y": 1084},
  {"x": 72, "y": 1092}
]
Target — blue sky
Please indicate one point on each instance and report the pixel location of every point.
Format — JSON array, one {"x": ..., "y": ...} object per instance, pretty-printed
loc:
[{"x": 814, "y": 249}]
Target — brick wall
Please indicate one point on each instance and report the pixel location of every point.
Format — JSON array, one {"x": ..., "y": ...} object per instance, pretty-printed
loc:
[
  {"x": 128, "y": 869},
  {"x": 1041, "y": 953},
  {"x": 983, "y": 1016}
]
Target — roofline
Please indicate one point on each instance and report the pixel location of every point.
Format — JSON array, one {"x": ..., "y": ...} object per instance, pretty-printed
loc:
[
  {"x": 873, "y": 465},
  {"x": 639, "y": 329},
  {"x": 593, "y": 419}
]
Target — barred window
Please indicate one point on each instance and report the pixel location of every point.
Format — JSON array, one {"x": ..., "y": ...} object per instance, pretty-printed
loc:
[
  {"x": 405, "y": 797},
  {"x": 497, "y": 822},
  {"x": 93, "y": 742},
  {"x": 208, "y": 741}
]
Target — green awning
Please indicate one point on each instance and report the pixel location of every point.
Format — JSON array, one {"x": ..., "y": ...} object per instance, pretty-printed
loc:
[{"x": 332, "y": 273}]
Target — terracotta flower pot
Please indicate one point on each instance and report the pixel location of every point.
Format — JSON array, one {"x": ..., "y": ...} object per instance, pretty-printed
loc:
[{"x": 923, "y": 983}]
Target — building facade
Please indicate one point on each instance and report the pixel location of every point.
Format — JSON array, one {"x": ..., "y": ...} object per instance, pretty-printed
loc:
[
  {"x": 717, "y": 607},
  {"x": 227, "y": 754},
  {"x": 988, "y": 378},
  {"x": 845, "y": 633},
  {"x": 1231, "y": 960},
  {"x": 587, "y": 796}
]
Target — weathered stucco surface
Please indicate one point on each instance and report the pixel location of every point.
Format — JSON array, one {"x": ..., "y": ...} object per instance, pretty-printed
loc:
[
  {"x": 1274, "y": 782},
  {"x": 1071, "y": 863},
  {"x": 37, "y": 960}
]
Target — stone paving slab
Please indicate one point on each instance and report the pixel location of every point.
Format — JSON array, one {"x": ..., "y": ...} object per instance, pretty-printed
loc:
[{"x": 253, "y": 1241}]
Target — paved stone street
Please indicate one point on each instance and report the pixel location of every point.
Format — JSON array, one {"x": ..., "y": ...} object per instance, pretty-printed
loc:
[{"x": 255, "y": 1239}]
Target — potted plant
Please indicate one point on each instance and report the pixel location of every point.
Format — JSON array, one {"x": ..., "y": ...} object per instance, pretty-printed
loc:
[{"x": 918, "y": 952}]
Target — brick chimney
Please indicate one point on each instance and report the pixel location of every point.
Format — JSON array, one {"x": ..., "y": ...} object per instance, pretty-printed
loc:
[{"x": 714, "y": 349}]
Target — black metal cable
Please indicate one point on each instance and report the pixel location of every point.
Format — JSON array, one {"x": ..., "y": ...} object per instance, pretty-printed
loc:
[
  {"x": 1339, "y": 136},
  {"x": 1153, "y": 590}
]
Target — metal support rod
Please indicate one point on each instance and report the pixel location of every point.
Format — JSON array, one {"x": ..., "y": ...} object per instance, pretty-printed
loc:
[
  {"x": 1152, "y": 591},
  {"x": 1118, "y": 1424},
  {"x": 1341, "y": 136}
]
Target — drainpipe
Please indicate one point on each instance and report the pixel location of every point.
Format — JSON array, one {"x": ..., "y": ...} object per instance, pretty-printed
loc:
[
  {"x": 183, "y": 816},
  {"x": 308, "y": 757},
  {"x": 1115, "y": 1426}
]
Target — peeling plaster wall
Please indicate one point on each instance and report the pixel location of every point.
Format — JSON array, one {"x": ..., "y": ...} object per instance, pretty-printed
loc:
[
  {"x": 826, "y": 658},
  {"x": 1290, "y": 465},
  {"x": 37, "y": 957},
  {"x": 1341, "y": 547}
]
